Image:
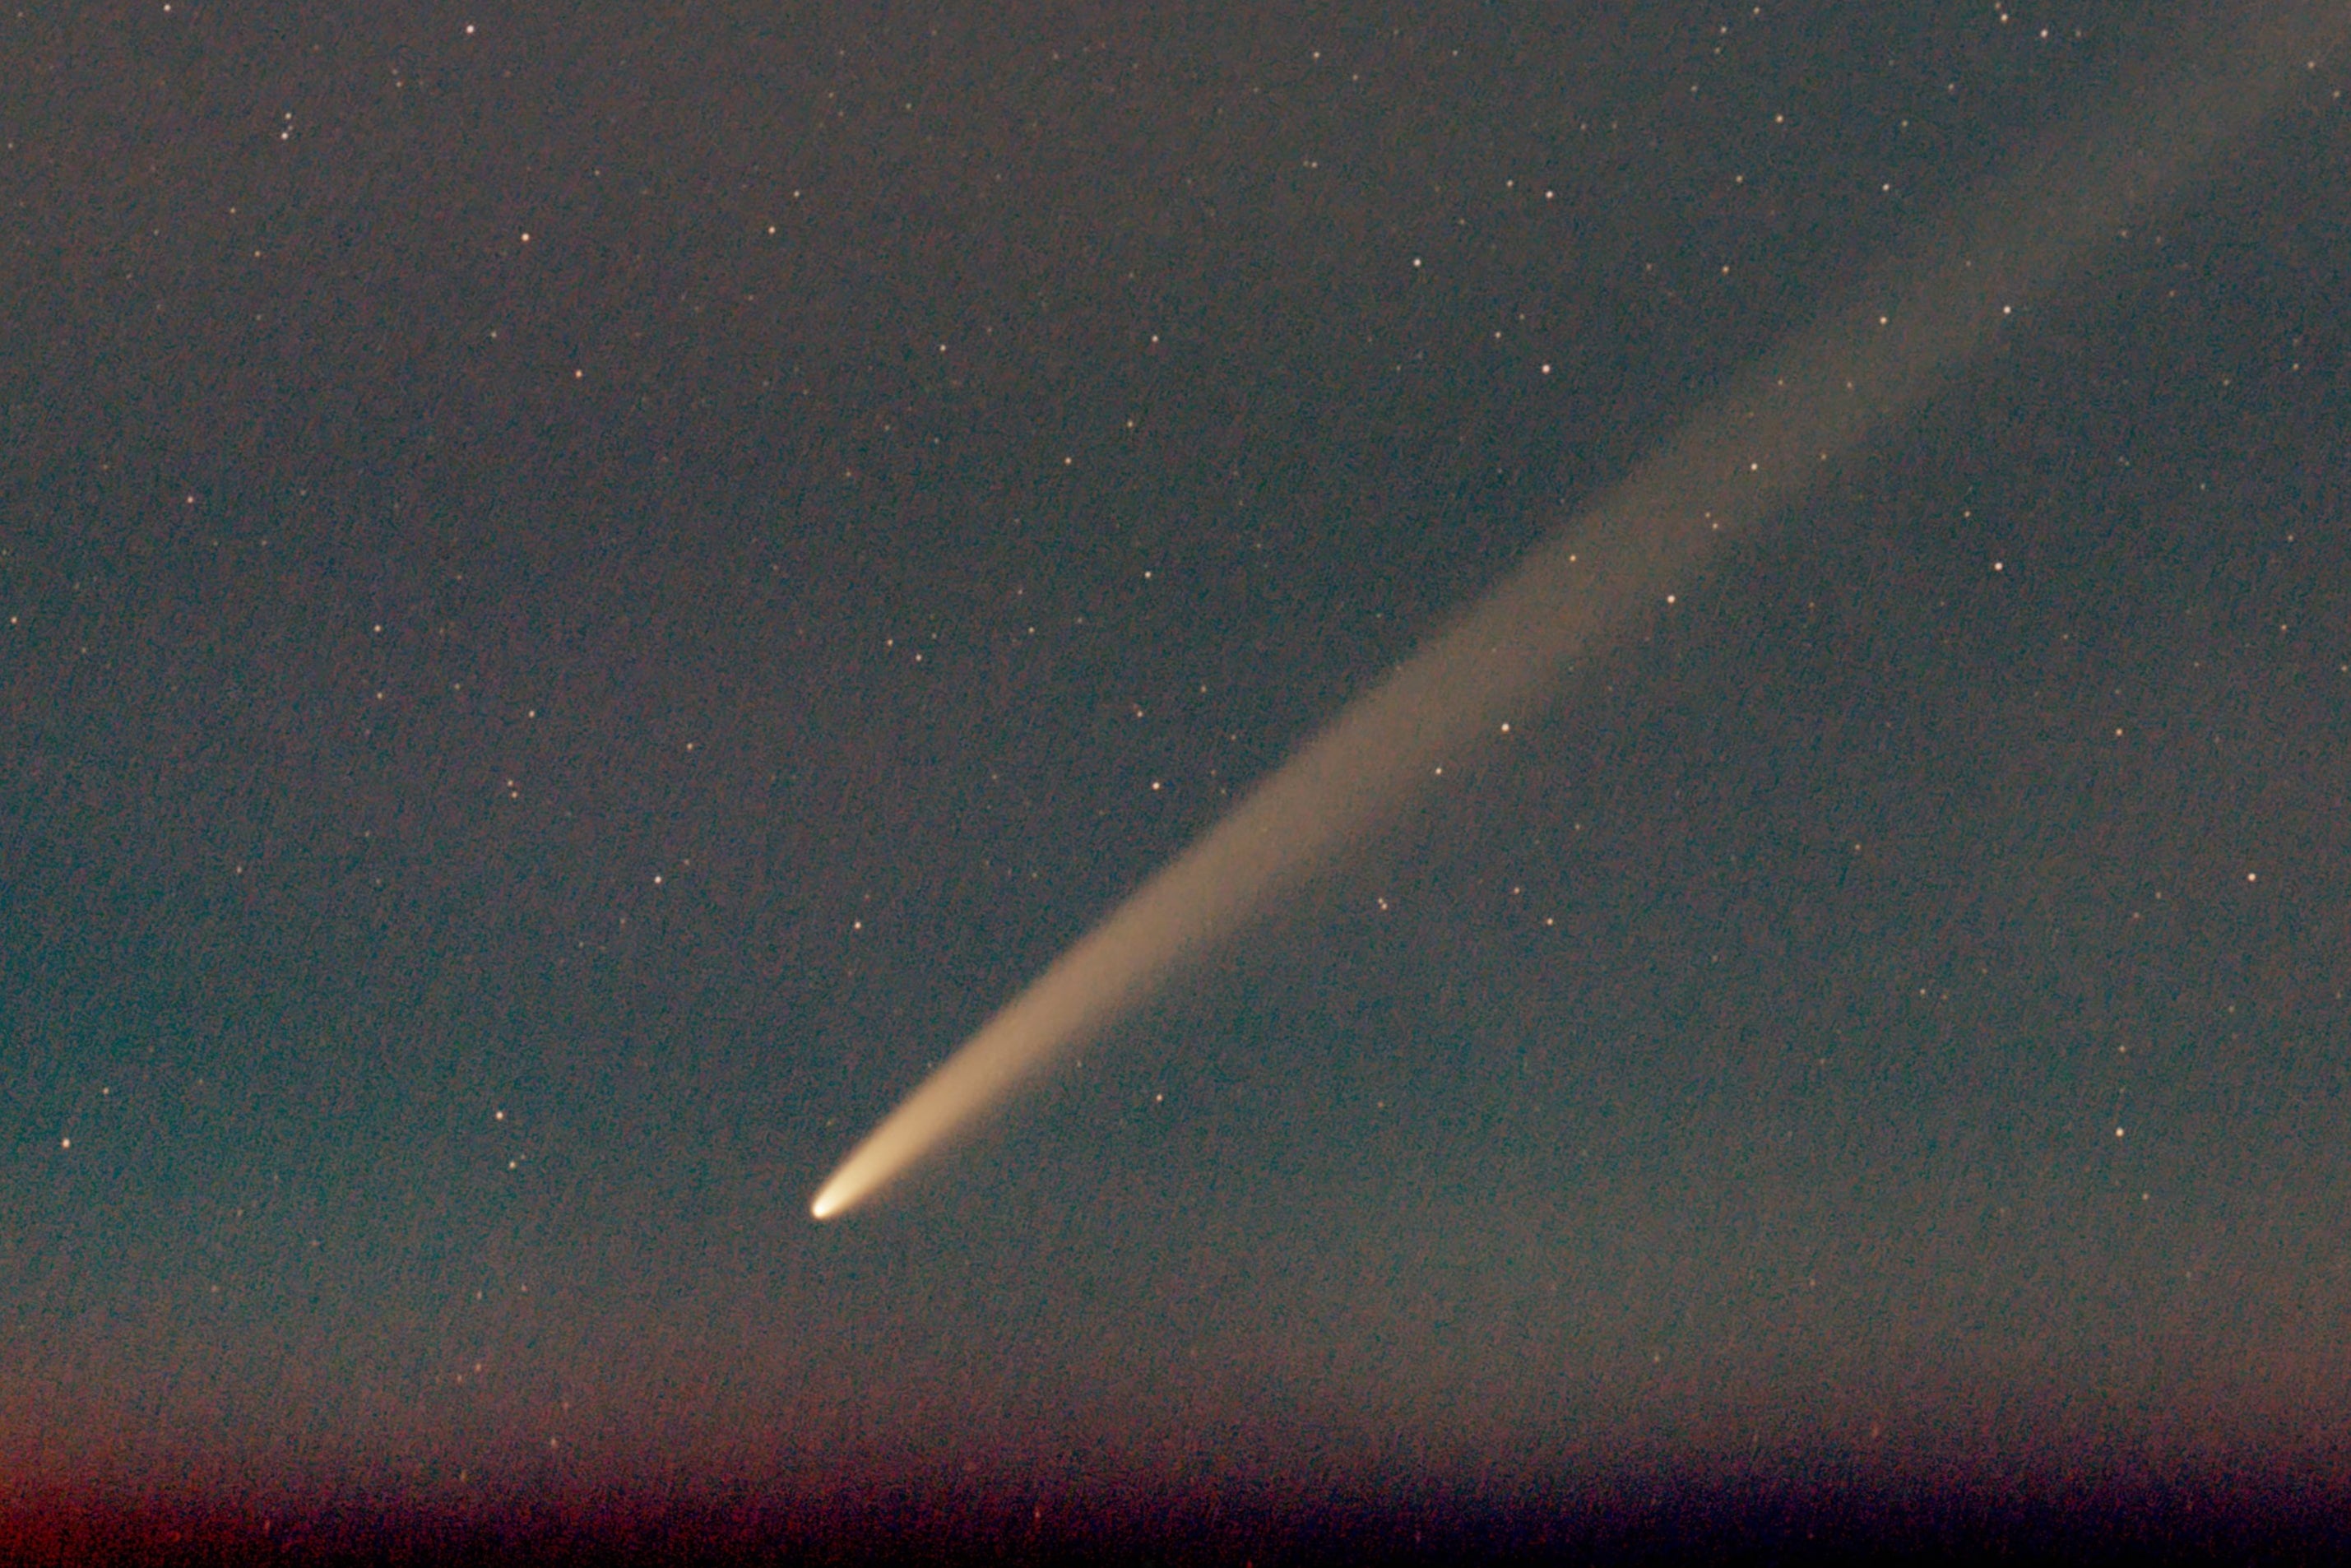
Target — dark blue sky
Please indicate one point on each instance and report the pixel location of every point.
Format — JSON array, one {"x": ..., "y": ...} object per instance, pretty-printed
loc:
[{"x": 587, "y": 592}]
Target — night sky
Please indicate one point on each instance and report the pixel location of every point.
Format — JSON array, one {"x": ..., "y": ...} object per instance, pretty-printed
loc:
[{"x": 589, "y": 588}]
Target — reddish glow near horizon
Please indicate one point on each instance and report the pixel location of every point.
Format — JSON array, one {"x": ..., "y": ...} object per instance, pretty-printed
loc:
[{"x": 1744, "y": 455}]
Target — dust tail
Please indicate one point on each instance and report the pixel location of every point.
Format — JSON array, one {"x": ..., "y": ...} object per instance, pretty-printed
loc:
[{"x": 1745, "y": 454}]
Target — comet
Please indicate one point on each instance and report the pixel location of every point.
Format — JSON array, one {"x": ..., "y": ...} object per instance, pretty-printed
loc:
[{"x": 1746, "y": 453}]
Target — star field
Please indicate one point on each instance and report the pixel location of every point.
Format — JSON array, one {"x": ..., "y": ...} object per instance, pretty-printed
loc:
[{"x": 586, "y": 594}]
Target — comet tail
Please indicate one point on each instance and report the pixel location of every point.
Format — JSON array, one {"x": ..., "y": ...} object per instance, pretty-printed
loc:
[{"x": 1746, "y": 452}]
